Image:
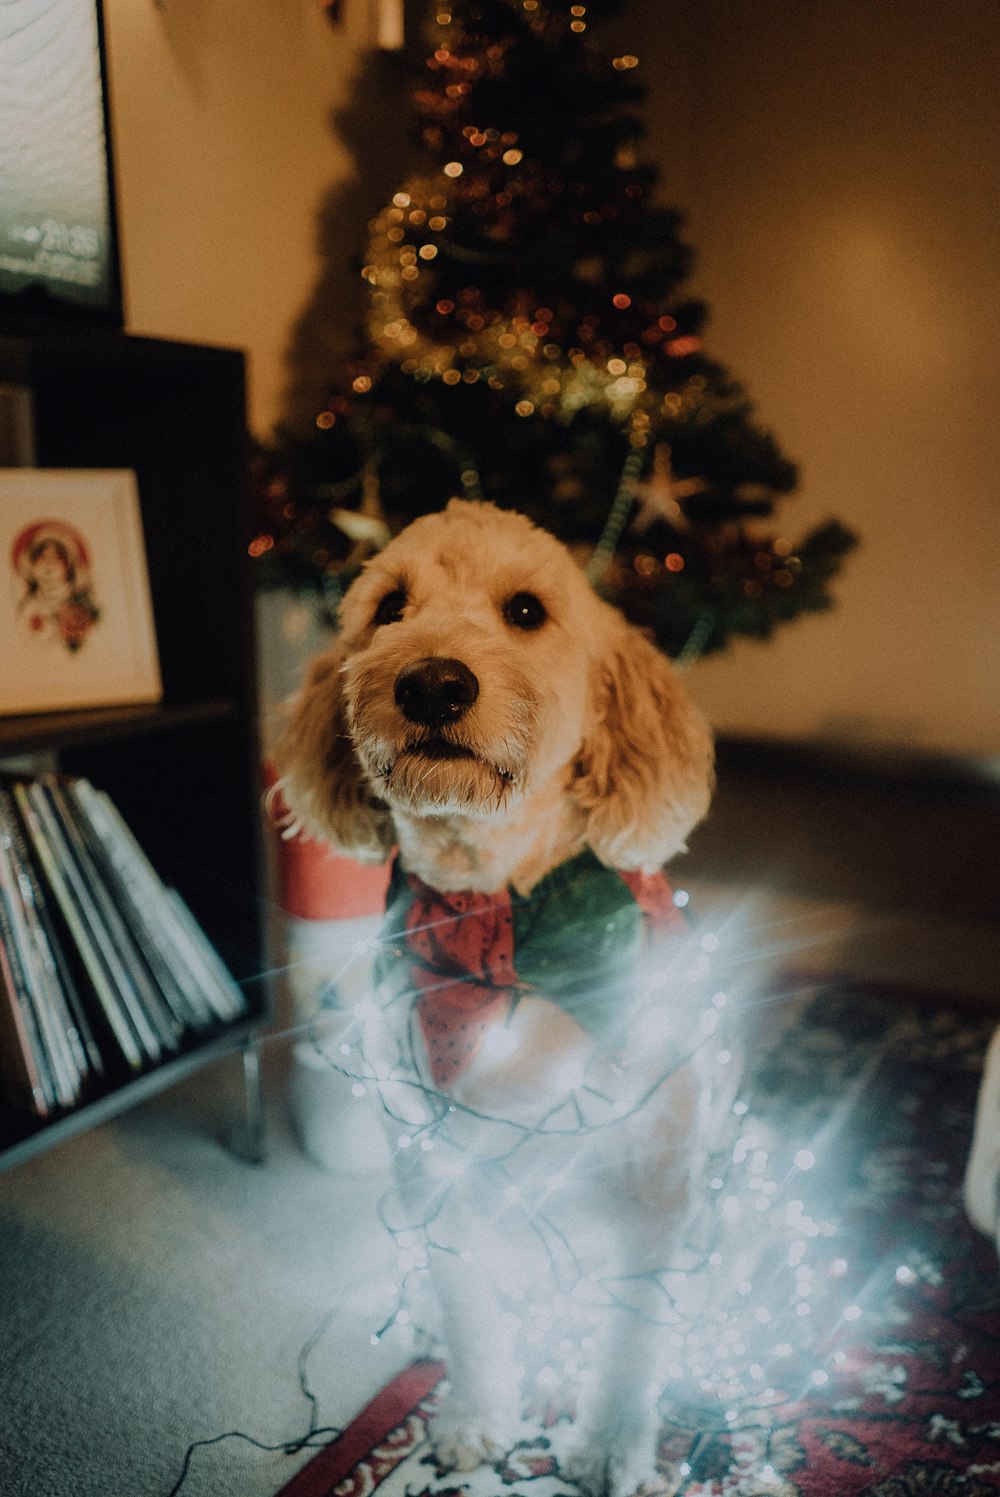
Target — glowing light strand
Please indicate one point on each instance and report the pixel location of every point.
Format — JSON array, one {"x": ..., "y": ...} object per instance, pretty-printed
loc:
[
  {"x": 729, "y": 1301},
  {"x": 565, "y": 1261}
]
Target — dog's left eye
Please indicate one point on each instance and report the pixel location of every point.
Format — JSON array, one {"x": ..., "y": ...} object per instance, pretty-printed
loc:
[
  {"x": 525, "y": 611},
  {"x": 390, "y": 610}
]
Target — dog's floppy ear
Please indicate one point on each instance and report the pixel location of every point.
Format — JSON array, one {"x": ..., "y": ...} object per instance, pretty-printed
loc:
[
  {"x": 320, "y": 781},
  {"x": 645, "y": 770}
]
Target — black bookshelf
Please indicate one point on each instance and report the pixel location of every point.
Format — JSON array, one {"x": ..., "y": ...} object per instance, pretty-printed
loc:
[{"x": 184, "y": 773}]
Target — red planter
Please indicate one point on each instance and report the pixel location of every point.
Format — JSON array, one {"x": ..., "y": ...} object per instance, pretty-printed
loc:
[{"x": 317, "y": 884}]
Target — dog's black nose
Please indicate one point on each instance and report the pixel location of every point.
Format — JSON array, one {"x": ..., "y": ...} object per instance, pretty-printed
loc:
[{"x": 435, "y": 691}]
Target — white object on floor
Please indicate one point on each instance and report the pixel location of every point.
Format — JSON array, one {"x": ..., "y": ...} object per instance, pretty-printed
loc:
[
  {"x": 329, "y": 962},
  {"x": 983, "y": 1170},
  {"x": 336, "y": 1117}
]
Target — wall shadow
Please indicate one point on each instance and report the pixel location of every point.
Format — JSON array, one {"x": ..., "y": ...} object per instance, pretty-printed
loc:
[{"x": 377, "y": 127}]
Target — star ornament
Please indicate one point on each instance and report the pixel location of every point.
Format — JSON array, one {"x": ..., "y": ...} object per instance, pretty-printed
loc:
[{"x": 661, "y": 495}]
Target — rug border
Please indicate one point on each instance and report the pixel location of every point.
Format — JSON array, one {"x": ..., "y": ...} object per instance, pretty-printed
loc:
[{"x": 374, "y": 1423}]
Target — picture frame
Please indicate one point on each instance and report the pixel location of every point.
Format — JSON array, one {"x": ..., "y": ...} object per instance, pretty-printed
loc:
[{"x": 76, "y": 615}]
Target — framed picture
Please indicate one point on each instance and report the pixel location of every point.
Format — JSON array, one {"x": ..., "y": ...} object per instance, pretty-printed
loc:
[{"x": 76, "y": 620}]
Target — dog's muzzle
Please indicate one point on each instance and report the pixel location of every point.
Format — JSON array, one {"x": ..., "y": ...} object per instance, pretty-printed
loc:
[{"x": 435, "y": 691}]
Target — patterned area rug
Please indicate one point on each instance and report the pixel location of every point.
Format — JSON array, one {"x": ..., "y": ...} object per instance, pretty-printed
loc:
[{"x": 897, "y": 1392}]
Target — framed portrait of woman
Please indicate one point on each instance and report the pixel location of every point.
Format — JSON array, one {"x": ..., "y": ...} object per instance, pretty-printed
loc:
[{"x": 76, "y": 618}]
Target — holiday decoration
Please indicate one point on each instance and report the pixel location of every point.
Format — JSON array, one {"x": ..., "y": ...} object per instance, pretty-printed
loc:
[
  {"x": 865, "y": 1363},
  {"x": 529, "y": 340}
]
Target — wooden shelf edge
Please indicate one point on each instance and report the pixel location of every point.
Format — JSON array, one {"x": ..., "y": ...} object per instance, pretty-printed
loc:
[
  {"x": 44, "y": 730},
  {"x": 48, "y": 1134}
]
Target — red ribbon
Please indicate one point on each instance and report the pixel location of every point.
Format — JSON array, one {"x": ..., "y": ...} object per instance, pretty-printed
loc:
[{"x": 464, "y": 974}]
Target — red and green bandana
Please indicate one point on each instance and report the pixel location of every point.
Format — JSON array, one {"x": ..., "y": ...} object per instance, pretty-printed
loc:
[{"x": 575, "y": 939}]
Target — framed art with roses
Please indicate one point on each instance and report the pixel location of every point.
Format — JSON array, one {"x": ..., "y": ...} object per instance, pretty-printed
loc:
[{"x": 76, "y": 619}]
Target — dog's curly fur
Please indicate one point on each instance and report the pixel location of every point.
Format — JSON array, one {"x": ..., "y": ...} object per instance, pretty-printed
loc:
[
  {"x": 583, "y": 704},
  {"x": 578, "y": 736}
]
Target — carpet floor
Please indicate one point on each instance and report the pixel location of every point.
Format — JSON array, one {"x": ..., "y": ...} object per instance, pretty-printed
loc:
[{"x": 157, "y": 1292}]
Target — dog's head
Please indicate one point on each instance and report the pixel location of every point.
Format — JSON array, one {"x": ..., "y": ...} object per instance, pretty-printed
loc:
[{"x": 474, "y": 663}]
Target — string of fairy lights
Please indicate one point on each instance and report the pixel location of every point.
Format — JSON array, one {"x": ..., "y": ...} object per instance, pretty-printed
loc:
[
  {"x": 746, "y": 1299},
  {"x": 528, "y": 352},
  {"x": 550, "y": 361},
  {"x": 522, "y": 355},
  {"x": 753, "y": 1304}
]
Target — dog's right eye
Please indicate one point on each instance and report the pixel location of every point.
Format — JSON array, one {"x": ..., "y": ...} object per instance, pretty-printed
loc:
[
  {"x": 390, "y": 610},
  {"x": 525, "y": 611}
]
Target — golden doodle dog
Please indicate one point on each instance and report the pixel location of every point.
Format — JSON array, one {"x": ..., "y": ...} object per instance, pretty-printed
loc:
[{"x": 535, "y": 762}]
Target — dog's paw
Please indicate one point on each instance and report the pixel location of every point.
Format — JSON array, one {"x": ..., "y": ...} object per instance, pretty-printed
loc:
[
  {"x": 620, "y": 1466},
  {"x": 463, "y": 1437}
]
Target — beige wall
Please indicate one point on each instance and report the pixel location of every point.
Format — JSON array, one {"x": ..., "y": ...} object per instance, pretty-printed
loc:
[
  {"x": 838, "y": 164},
  {"x": 224, "y": 152},
  {"x": 839, "y": 161}
]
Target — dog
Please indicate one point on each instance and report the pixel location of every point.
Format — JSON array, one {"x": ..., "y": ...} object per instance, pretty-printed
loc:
[{"x": 531, "y": 756}]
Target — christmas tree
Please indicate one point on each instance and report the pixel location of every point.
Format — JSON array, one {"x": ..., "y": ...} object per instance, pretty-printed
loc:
[{"x": 529, "y": 341}]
